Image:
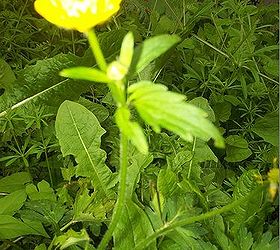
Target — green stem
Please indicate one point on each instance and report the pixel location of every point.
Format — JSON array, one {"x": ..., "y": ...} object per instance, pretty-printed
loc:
[
  {"x": 191, "y": 162},
  {"x": 170, "y": 226},
  {"x": 122, "y": 193},
  {"x": 94, "y": 44},
  {"x": 46, "y": 156}
]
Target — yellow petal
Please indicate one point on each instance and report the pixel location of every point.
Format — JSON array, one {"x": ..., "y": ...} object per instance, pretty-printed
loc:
[{"x": 77, "y": 14}]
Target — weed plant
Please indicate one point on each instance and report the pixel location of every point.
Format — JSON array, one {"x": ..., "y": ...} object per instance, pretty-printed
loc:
[{"x": 184, "y": 192}]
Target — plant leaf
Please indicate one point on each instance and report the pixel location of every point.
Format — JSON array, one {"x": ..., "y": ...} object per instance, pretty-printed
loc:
[
  {"x": 11, "y": 227},
  {"x": 79, "y": 134},
  {"x": 236, "y": 149},
  {"x": 203, "y": 104},
  {"x": 71, "y": 238},
  {"x": 152, "y": 48},
  {"x": 139, "y": 163},
  {"x": 133, "y": 226},
  {"x": 268, "y": 128},
  {"x": 14, "y": 182},
  {"x": 97, "y": 109},
  {"x": 85, "y": 73},
  {"x": 132, "y": 130},
  {"x": 247, "y": 212},
  {"x": 7, "y": 76},
  {"x": 127, "y": 49},
  {"x": 12, "y": 202},
  {"x": 161, "y": 108},
  {"x": 41, "y": 83},
  {"x": 43, "y": 192}
]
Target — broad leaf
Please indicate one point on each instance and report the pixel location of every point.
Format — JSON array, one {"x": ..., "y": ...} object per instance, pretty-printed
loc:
[
  {"x": 222, "y": 111},
  {"x": 236, "y": 149},
  {"x": 244, "y": 239},
  {"x": 79, "y": 134},
  {"x": 11, "y": 227},
  {"x": 14, "y": 182},
  {"x": 80, "y": 207},
  {"x": 7, "y": 76},
  {"x": 166, "y": 182},
  {"x": 43, "y": 191},
  {"x": 218, "y": 227},
  {"x": 12, "y": 202},
  {"x": 268, "y": 128},
  {"x": 46, "y": 211},
  {"x": 186, "y": 238},
  {"x": 166, "y": 186},
  {"x": 71, "y": 238},
  {"x": 133, "y": 226},
  {"x": 161, "y": 108},
  {"x": 41, "y": 83},
  {"x": 151, "y": 49}
]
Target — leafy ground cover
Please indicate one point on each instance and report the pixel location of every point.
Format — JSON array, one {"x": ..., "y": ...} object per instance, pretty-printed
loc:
[{"x": 183, "y": 194}]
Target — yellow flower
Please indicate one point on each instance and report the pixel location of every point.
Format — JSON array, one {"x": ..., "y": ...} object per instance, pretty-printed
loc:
[
  {"x": 273, "y": 178},
  {"x": 80, "y": 15}
]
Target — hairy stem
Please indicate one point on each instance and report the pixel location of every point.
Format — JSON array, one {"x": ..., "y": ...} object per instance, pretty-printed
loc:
[{"x": 122, "y": 193}]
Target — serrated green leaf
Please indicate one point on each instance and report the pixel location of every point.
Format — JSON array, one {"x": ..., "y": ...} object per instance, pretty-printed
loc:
[
  {"x": 187, "y": 238},
  {"x": 71, "y": 238},
  {"x": 191, "y": 187},
  {"x": 244, "y": 239},
  {"x": 41, "y": 247},
  {"x": 79, "y": 134},
  {"x": 47, "y": 211},
  {"x": 81, "y": 205},
  {"x": 164, "y": 109},
  {"x": 166, "y": 182},
  {"x": 132, "y": 130},
  {"x": 266, "y": 242},
  {"x": 218, "y": 227},
  {"x": 244, "y": 214}
]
